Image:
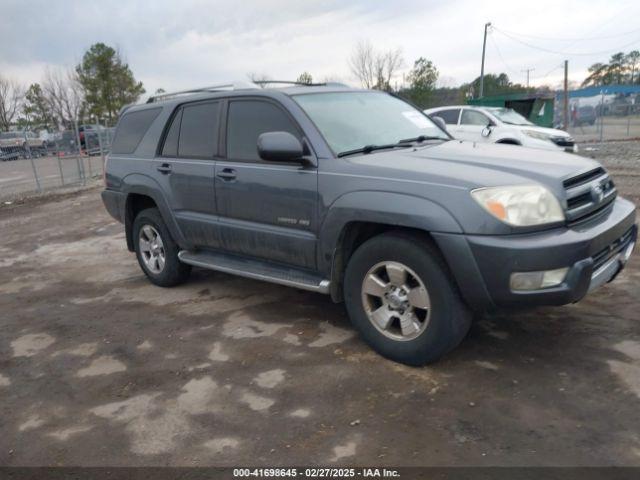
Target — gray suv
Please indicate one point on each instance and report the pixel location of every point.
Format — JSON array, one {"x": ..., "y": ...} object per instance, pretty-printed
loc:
[{"x": 359, "y": 195}]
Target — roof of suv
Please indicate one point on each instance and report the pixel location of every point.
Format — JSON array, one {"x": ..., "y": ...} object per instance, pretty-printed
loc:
[{"x": 195, "y": 95}]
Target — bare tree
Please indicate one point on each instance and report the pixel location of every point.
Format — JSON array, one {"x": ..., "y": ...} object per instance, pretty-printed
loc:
[
  {"x": 362, "y": 64},
  {"x": 387, "y": 65},
  {"x": 375, "y": 69},
  {"x": 63, "y": 93},
  {"x": 11, "y": 99},
  {"x": 259, "y": 78}
]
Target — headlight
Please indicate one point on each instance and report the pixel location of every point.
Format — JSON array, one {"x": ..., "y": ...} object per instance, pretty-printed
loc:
[
  {"x": 520, "y": 205},
  {"x": 537, "y": 135}
]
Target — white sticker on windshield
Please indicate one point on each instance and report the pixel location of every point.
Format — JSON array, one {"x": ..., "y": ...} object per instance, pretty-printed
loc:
[{"x": 417, "y": 119}]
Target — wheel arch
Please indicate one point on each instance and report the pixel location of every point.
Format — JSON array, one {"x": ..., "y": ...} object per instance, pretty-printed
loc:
[
  {"x": 509, "y": 141},
  {"x": 359, "y": 216},
  {"x": 142, "y": 192}
]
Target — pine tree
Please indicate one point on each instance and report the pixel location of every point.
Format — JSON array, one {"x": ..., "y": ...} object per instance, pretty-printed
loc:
[{"x": 107, "y": 81}]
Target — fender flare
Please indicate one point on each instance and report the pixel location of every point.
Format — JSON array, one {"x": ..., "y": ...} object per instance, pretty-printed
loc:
[
  {"x": 386, "y": 208},
  {"x": 140, "y": 184}
]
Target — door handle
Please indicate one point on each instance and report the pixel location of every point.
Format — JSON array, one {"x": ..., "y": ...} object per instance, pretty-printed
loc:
[
  {"x": 227, "y": 174},
  {"x": 165, "y": 168}
]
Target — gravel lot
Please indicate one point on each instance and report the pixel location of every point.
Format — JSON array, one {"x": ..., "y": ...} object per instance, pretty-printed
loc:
[{"x": 99, "y": 367}]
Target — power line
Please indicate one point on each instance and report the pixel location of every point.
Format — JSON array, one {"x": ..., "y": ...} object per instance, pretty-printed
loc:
[
  {"x": 528, "y": 71},
  {"x": 548, "y": 50},
  {"x": 561, "y": 65},
  {"x": 514, "y": 72},
  {"x": 501, "y": 57},
  {"x": 568, "y": 39}
]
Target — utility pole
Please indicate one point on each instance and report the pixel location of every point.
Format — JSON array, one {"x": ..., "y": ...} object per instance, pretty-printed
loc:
[
  {"x": 484, "y": 48},
  {"x": 565, "y": 105},
  {"x": 528, "y": 70}
]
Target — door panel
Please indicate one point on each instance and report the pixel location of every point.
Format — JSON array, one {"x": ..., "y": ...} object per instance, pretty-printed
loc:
[
  {"x": 189, "y": 182},
  {"x": 472, "y": 122},
  {"x": 189, "y": 187},
  {"x": 266, "y": 210}
]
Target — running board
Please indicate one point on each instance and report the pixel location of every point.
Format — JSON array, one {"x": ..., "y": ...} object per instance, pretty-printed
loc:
[{"x": 256, "y": 269}]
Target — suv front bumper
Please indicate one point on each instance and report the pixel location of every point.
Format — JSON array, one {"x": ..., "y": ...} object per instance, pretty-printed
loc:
[{"x": 594, "y": 252}]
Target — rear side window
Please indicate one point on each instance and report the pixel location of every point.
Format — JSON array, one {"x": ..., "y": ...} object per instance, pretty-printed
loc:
[
  {"x": 247, "y": 120},
  {"x": 131, "y": 129},
  {"x": 473, "y": 117},
  {"x": 199, "y": 130},
  {"x": 450, "y": 117}
]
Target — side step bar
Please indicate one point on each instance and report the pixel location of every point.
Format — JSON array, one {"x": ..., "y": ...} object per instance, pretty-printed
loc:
[{"x": 256, "y": 269}]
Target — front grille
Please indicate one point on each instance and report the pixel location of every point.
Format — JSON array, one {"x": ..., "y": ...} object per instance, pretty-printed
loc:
[
  {"x": 583, "y": 178},
  {"x": 588, "y": 194},
  {"x": 612, "y": 249}
]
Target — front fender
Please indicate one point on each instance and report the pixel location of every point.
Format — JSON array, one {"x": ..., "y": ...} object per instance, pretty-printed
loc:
[{"x": 385, "y": 208}]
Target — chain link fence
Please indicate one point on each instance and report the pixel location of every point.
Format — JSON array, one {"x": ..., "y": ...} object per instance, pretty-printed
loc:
[
  {"x": 35, "y": 163},
  {"x": 610, "y": 114}
]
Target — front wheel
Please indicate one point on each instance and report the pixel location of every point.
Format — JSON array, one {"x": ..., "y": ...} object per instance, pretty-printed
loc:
[
  {"x": 402, "y": 299},
  {"x": 156, "y": 251}
]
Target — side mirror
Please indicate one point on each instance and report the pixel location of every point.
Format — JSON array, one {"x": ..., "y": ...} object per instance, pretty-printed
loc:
[
  {"x": 486, "y": 131},
  {"x": 439, "y": 122},
  {"x": 280, "y": 147}
]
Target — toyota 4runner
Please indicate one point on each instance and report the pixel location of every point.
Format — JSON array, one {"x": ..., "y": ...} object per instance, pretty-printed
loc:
[{"x": 359, "y": 195}]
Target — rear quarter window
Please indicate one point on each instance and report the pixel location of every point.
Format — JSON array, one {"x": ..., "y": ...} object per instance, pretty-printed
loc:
[{"x": 131, "y": 129}]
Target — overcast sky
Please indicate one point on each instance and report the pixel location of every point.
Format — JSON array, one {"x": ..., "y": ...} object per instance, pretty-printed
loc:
[{"x": 178, "y": 44}]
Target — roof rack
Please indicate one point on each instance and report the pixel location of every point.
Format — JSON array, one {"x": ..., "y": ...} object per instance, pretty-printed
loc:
[
  {"x": 295, "y": 82},
  {"x": 240, "y": 86},
  {"x": 212, "y": 88}
]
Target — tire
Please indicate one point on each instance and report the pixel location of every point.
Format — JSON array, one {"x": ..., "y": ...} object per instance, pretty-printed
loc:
[
  {"x": 167, "y": 270},
  {"x": 431, "y": 332}
]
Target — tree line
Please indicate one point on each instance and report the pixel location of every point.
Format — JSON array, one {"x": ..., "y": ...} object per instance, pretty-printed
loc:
[
  {"x": 93, "y": 91},
  {"x": 377, "y": 69},
  {"x": 621, "y": 69}
]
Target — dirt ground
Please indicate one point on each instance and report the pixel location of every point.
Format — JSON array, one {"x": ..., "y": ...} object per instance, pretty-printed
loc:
[{"x": 99, "y": 367}]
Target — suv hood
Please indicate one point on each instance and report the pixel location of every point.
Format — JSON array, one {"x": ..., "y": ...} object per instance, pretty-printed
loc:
[{"x": 473, "y": 165}]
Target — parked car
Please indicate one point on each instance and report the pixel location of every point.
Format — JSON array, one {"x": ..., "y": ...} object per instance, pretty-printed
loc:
[
  {"x": 91, "y": 136},
  {"x": 500, "y": 125},
  {"x": 22, "y": 142},
  {"x": 357, "y": 194},
  {"x": 585, "y": 115}
]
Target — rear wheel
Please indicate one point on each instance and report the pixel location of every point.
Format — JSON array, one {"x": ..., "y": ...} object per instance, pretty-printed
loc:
[
  {"x": 402, "y": 299},
  {"x": 156, "y": 251}
]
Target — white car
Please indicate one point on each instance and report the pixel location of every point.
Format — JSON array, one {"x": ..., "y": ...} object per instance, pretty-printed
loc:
[{"x": 500, "y": 125}]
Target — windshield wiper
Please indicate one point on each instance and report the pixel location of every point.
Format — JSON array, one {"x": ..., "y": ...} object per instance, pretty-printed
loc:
[
  {"x": 371, "y": 148},
  {"x": 421, "y": 138}
]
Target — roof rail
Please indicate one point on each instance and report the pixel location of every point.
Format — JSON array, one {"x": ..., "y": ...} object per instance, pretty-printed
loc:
[
  {"x": 212, "y": 88},
  {"x": 240, "y": 86},
  {"x": 263, "y": 83}
]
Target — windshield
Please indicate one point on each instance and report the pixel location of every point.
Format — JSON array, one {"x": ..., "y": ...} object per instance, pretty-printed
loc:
[
  {"x": 510, "y": 116},
  {"x": 6, "y": 135},
  {"x": 352, "y": 120}
]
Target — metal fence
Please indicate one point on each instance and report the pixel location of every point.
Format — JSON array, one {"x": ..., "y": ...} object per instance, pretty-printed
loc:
[
  {"x": 35, "y": 163},
  {"x": 603, "y": 116}
]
